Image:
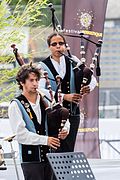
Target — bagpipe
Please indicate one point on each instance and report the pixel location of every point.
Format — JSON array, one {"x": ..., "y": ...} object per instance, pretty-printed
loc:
[
  {"x": 83, "y": 73},
  {"x": 57, "y": 115}
]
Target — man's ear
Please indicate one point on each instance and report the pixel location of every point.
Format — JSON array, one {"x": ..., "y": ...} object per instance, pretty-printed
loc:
[
  {"x": 22, "y": 84},
  {"x": 49, "y": 48}
]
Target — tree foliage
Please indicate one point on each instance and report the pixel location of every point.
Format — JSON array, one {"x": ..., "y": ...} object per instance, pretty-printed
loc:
[
  {"x": 12, "y": 20},
  {"x": 55, "y": 2}
]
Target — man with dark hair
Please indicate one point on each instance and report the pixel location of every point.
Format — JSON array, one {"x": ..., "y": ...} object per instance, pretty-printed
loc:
[
  {"x": 57, "y": 64},
  {"x": 28, "y": 122},
  {"x": 63, "y": 42}
]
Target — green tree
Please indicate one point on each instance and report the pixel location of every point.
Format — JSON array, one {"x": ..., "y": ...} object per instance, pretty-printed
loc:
[
  {"x": 24, "y": 2},
  {"x": 55, "y": 2},
  {"x": 12, "y": 20}
]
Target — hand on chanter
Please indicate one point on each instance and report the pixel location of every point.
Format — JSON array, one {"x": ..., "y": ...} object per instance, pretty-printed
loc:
[
  {"x": 74, "y": 97},
  {"x": 85, "y": 90},
  {"x": 63, "y": 134},
  {"x": 53, "y": 142}
]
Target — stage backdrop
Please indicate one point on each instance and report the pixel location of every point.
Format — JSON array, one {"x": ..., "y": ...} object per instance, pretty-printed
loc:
[{"x": 88, "y": 16}]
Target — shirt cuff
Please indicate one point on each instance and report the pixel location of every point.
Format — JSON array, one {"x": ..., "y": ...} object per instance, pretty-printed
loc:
[
  {"x": 67, "y": 126},
  {"x": 43, "y": 140},
  {"x": 93, "y": 83}
]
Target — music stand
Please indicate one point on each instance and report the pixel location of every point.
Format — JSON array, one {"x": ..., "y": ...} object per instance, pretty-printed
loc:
[
  {"x": 3, "y": 165},
  {"x": 10, "y": 139},
  {"x": 70, "y": 166}
]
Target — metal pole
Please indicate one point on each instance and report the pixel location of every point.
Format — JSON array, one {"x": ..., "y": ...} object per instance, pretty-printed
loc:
[{"x": 13, "y": 156}]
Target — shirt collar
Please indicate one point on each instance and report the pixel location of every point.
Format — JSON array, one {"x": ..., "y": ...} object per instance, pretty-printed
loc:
[
  {"x": 37, "y": 101},
  {"x": 62, "y": 58}
]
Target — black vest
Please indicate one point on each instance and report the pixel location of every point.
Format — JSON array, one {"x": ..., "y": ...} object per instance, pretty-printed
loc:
[
  {"x": 36, "y": 153},
  {"x": 65, "y": 85}
]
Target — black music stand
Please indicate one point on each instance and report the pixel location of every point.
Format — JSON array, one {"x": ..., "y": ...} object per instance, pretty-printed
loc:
[
  {"x": 10, "y": 139},
  {"x": 70, "y": 166},
  {"x": 3, "y": 167}
]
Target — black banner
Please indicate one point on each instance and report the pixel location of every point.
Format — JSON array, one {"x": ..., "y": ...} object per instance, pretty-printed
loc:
[{"x": 86, "y": 16}]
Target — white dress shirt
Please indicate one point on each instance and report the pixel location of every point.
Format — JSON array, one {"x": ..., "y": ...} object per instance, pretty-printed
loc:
[
  {"x": 23, "y": 135},
  {"x": 60, "y": 67},
  {"x": 61, "y": 70}
]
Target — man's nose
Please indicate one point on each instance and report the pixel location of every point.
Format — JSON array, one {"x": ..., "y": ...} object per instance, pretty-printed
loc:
[
  {"x": 57, "y": 45},
  {"x": 35, "y": 83}
]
